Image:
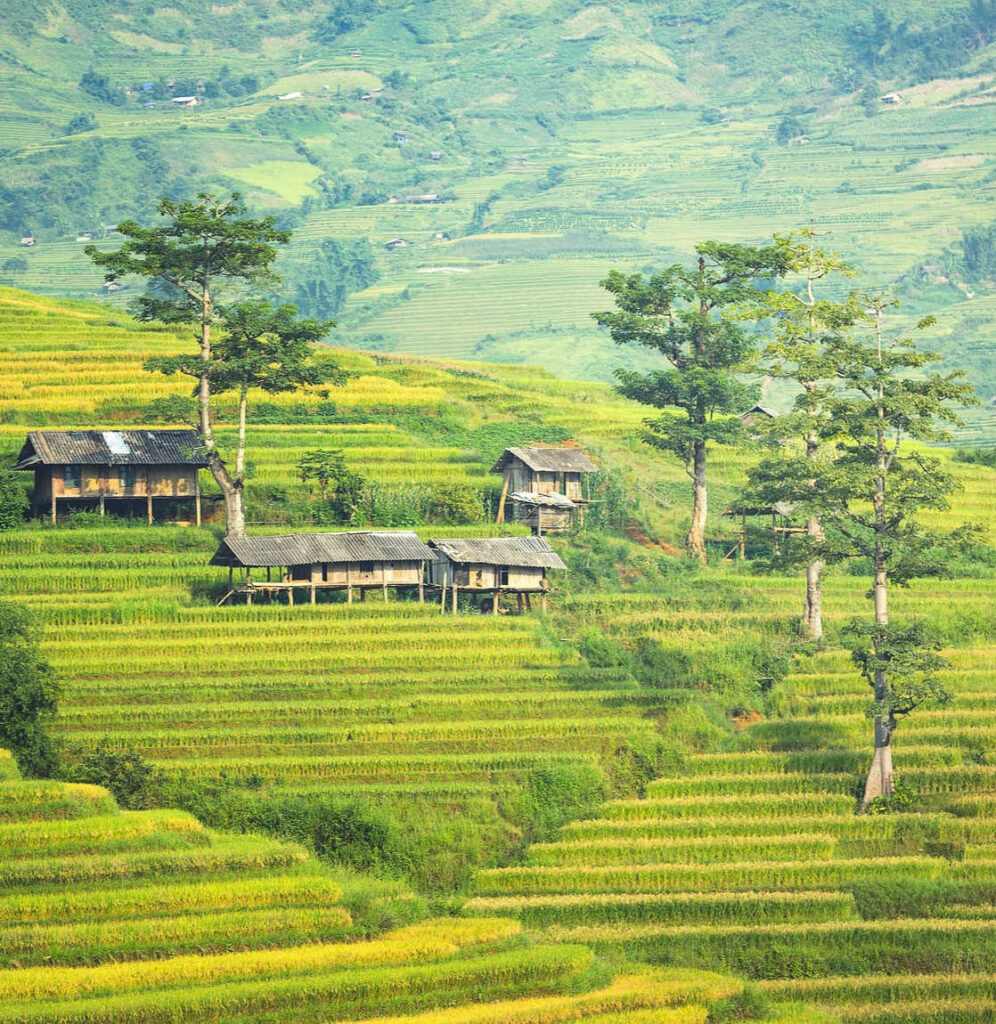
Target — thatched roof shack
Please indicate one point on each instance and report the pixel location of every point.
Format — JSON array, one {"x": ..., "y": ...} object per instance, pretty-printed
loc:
[
  {"x": 359, "y": 559},
  {"x": 516, "y": 565},
  {"x": 122, "y": 466},
  {"x": 545, "y": 486}
]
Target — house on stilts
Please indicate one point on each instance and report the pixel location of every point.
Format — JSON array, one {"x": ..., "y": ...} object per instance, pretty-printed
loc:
[
  {"x": 543, "y": 488},
  {"x": 117, "y": 471},
  {"x": 309, "y": 563},
  {"x": 492, "y": 566}
]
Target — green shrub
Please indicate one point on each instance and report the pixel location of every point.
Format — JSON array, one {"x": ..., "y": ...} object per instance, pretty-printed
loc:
[
  {"x": 28, "y": 693},
  {"x": 13, "y": 500}
]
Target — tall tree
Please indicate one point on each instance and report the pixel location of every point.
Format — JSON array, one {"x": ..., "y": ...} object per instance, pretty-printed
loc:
[
  {"x": 803, "y": 325},
  {"x": 260, "y": 347},
  {"x": 205, "y": 245},
  {"x": 687, "y": 314},
  {"x": 869, "y": 495}
]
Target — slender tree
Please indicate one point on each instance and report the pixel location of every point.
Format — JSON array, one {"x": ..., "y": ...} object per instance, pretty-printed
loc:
[
  {"x": 258, "y": 347},
  {"x": 687, "y": 315},
  {"x": 869, "y": 495},
  {"x": 203, "y": 246},
  {"x": 797, "y": 353}
]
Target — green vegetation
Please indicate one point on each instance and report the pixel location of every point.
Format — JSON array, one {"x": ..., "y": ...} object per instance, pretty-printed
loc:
[{"x": 653, "y": 779}]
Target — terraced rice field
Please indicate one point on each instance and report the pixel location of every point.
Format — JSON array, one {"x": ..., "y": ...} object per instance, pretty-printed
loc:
[
  {"x": 397, "y": 697},
  {"x": 754, "y": 862},
  {"x": 112, "y": 916}
]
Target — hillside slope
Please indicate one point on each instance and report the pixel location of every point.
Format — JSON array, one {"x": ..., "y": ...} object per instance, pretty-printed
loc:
[{"x": 561, "y": 139}]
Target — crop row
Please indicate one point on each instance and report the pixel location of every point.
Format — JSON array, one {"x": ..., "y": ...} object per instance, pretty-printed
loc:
[
  {"x": 536, "y": 970},
  {"x": 805, "y": 950},
  {"x": 302, "y": 887},
  {"x": 738, "y": 907},
  {"x": 124, "y": 831},
  {"x": 437, "y": 709},
  {"x": 224, "y": 854},
  {"x": 431, "y": 940},
  {"x": 740, "y": 874}
]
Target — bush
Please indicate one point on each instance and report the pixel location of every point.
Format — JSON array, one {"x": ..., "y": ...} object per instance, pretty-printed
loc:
[
  {"x": 601, "y": 652},
  {"x": 28, "y": 693},
  {"x": 553, "y": 795},
  {"x": 130, "y": 777},
  {"x": 13, "y": 500}
]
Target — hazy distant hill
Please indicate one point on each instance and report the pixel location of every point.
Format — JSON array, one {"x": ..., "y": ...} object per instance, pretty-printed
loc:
[{"x": 519, "y": 148}]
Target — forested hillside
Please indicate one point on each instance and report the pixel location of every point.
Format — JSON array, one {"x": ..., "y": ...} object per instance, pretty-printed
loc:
[{"x": 514, "y": 152}]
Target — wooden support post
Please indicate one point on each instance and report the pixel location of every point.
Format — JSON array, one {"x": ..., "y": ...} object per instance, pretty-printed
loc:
[
  {"x": 101, "y": 506},
  {"x": 349, "y": 586},
  {"x": 197, "y": 496},
  {"x": 313, "y": 594},
  {"x": 148, "y": 506},
  {"x": 500, "y": 518},
  {"x": 268, "y": 574},
  {"x": 421, "y": 583},
  {"x": 442, "y": 593},
  {"x": 54, "y": 505},
  {"x": 383, "y": 581},
  {"x": 248, "y": 597},
  {"x": 494, "y": 603},
  {"x": 290, "y": 595},
  {"x": 454, "y": 594},
  {"x": 231, "y": 573},
  {"x": 529, "y": 603}
]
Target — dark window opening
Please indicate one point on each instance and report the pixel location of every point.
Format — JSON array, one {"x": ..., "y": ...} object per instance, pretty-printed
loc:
[
  {"x": 126, "y": 476},
  {"x": 367, "y": 567},
  {"x": 503, "y": 577},
  {"x": 71, "y": 476}
]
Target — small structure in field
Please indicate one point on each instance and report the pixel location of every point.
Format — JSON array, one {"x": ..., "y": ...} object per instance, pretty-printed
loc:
[
  {"x": 358, "y": 560},
  {"x": 544, "y": 485},
  {"x": 783, "y": 523},
  {"x": 494, "y": 566},
  {"x": 757, "y": 414},
  {"x": 396, "y": 243},
  {"x": 184, "y": 101},
  {"x": 115, "y": 469},
  {"x": 27, "y": 241}
]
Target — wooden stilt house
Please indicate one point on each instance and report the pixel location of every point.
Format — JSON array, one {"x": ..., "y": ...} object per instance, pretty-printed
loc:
[
  {"x": 493, "y": 566},
  {"x": 307, "y": 563},
  {"x": 544, "y": 487},
  {"x": 114, "y": 470},
  {"x": 784, "y": 522}
]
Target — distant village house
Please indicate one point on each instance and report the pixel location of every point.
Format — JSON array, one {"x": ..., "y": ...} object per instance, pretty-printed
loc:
[
  {"x": 396, "y": 243},
  {"x": 184, "y": 101},
  {"x": 114, "y": 470},
  {"x": 544, "y": 487}
]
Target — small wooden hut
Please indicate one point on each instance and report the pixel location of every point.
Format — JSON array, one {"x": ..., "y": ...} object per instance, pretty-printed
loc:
[
  {"x": 495, "y": 566},
  {"x": 359, "y": 560},
  {"x": 117, "y": 470},
  {"x": 783, "y": 523},
  {"x": 544, "y": 485}
]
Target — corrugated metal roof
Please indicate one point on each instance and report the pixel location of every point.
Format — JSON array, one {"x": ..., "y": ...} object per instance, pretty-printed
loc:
[
  {"x": 516, "y": 551},
  {"x": 552, "y": 500},
  {"x": 548, "y": 460},
  {"x": 305, "y": 548},
  {"x": 111, "y": 448}
]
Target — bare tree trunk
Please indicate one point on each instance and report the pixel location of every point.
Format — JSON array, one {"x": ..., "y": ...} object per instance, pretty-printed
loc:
[
  {"x": 812, "y": 608},
  {"x": 695, "y": 541},
  {"x": 235, "y": 523},
  {"x": 879, "y": 781}
]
